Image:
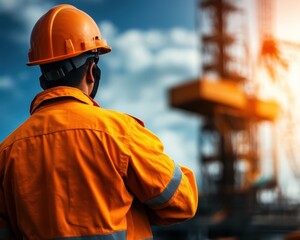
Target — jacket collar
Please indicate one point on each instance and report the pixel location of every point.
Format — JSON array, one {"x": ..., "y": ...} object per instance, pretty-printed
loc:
[{"x": 60, "y": 93}]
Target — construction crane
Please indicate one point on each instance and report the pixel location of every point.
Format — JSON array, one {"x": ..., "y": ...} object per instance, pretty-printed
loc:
[
  {"x": 234, "y": 189},
  {"x": 230, "y": 151},
  {"x": 229, "y": 114}
]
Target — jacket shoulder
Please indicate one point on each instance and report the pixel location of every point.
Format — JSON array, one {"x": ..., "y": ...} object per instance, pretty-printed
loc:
[
  {"x": 120, "y": 116},
  {"x": 139, "y": 121}
]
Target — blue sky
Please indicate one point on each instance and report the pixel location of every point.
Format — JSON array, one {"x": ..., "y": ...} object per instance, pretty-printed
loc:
[{"x": 154, "y": 48}]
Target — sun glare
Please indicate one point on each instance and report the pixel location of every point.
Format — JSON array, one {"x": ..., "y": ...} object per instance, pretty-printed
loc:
[{"x": 277, "y": 77}]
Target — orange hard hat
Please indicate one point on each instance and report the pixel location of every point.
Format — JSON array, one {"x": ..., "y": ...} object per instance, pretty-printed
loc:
[{"x": 64, "y": 32}]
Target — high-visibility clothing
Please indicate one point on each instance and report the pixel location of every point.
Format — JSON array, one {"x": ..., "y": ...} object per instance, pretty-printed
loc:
[{"x": 76, "y": 171}]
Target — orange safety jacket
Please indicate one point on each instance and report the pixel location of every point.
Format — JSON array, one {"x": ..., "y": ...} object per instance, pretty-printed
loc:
[{"x": 76, "y": 171}]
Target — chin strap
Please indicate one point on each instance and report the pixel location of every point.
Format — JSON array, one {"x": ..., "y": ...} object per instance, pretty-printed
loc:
[{"x": 97, "y": 77}]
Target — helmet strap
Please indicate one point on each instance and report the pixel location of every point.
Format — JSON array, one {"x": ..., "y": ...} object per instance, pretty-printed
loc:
[
  {"x": 64, "y": 67},
  {"x": 97, "y": 76}
]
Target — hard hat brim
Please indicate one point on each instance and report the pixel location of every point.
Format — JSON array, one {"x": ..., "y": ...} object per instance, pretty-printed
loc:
[{"x": 101, "y": 51}]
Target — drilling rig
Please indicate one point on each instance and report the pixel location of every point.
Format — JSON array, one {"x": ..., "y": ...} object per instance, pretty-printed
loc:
[{"x": 231, "y": 116}]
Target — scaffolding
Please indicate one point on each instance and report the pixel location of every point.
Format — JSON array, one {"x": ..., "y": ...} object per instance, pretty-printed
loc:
[{"x": 230, "y": 153}]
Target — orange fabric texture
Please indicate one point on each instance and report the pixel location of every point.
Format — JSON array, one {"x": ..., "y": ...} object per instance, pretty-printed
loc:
[{"x": 75, "y": 169}]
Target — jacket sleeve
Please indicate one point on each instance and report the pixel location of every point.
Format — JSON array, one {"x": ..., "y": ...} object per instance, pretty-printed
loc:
[{"x": 166, "y": 188}]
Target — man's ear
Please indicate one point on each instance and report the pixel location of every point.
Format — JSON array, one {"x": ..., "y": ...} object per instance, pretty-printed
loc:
[{"x": 90, "y": 75}]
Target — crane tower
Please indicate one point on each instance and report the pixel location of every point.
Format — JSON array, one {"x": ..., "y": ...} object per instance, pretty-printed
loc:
[{"x": 229, "y": 148}]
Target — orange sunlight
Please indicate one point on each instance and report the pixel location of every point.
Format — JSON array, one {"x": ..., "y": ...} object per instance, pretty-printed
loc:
[{"x": 277, "y": 77}]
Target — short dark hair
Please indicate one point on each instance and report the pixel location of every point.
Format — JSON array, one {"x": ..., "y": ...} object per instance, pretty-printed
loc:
[{"x": 71, "y": 79}]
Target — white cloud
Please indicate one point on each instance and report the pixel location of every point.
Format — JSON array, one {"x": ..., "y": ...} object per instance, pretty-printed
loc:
[
  {"x": 8, "y": 5},
  {"x": 136, "y": 50},
  {"x": 27, "y": 13},
  {"x": 6, "y": 83},
  {"x": 32, "y": 13},
  {"x": 139, "y": 58},
  {"x": 151, "y": 39},
  {"x": 155, "y": 39},
  {"x": 107, "y": 29},
  {"x": 184, "y": 58},
  {"x": 29, "y": 17},
  {"x": 183, "y": 37},
  {"x": 182, "y": 150}
]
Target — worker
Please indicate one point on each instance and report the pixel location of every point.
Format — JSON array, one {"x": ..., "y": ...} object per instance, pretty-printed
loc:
[{"x": 74, "y": 170}]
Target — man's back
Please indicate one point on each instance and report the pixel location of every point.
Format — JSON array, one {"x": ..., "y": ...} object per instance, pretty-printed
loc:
[
  {"x": 73, "y": 169},
  {"x": 61, "y": 161}
]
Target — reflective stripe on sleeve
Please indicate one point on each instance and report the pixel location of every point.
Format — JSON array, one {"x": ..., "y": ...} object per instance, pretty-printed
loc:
[
  {"x": 5, "y": 232},
  {"x": 112, "y": 236},
  {"x": 168, "y": 192}
]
